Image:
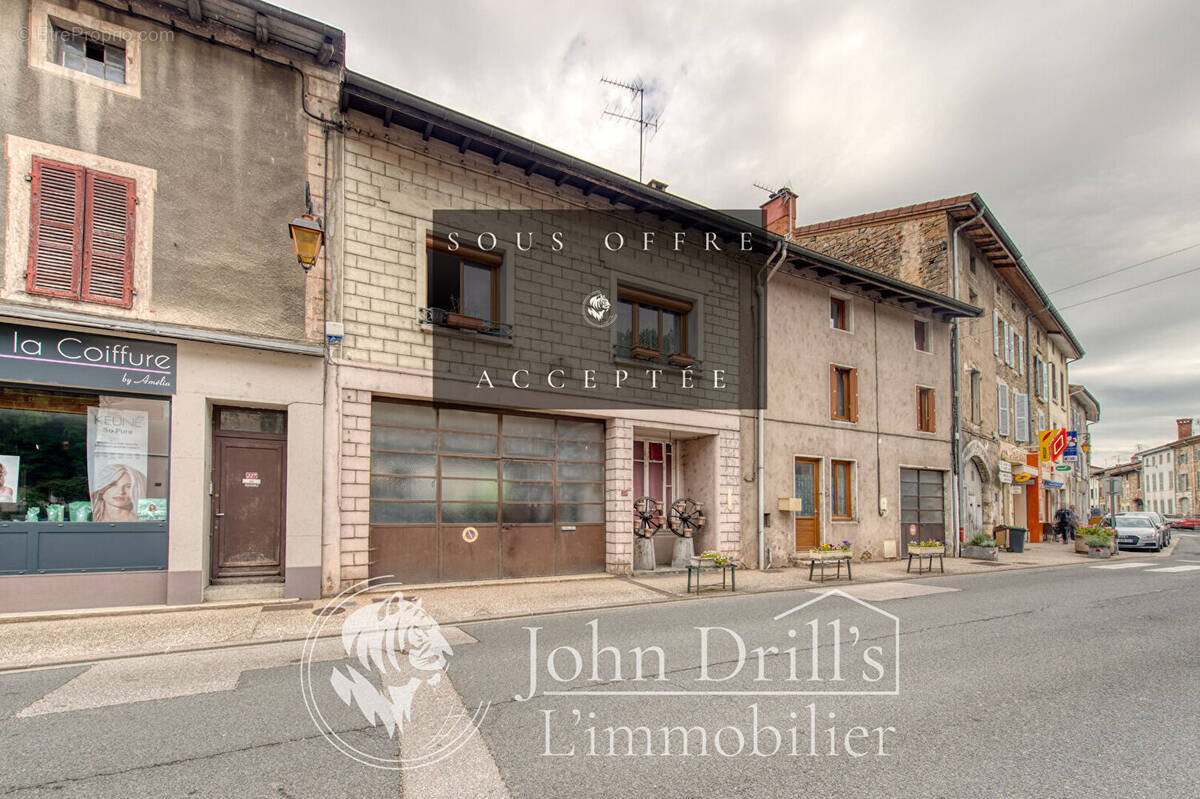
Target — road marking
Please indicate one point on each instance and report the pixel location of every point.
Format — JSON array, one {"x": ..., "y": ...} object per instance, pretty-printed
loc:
[
  {"x": 1122, "y": 565},
  {"x": 878, "y": 592},
  {"x": 1176, "y": 569},
  {"x": 138, "y": 679}
]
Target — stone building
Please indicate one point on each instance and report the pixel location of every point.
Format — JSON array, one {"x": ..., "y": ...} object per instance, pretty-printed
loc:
[
  {"x": 1009, "y": 368},
  {"x": 160, "y": 353},
  {"x": 1085, "y": 409},
  {"x": 1168, "y": 472},
  {"x": 1120, "y": 486}
]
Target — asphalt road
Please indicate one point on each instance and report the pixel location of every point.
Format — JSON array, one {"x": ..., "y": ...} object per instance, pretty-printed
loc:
[{"x": 1058, "y": 682}]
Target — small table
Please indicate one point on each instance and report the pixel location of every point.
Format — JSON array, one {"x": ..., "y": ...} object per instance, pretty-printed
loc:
[
  {"x": 922, "y": 557},
  {"x": 812, "y": 562},
  {"x": 729, "y": 568}
]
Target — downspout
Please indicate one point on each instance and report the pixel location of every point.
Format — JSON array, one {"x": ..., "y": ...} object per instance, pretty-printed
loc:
[
  {"x": 956, "y": 391},
  {"x": 760, "y": 294}
]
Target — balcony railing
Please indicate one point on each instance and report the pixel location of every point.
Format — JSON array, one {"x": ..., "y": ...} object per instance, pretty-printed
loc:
[{"x": 470, "y": 324}]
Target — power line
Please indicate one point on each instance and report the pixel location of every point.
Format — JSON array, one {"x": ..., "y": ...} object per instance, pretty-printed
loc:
[
  {"x": 1131, "y": 288},
  {"x": 1126, "y": 268}
]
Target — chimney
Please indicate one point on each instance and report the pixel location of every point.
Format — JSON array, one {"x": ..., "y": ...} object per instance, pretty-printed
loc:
[
  {"x": 1184, "y": 427},
  {"x": 779, "y": 213}
]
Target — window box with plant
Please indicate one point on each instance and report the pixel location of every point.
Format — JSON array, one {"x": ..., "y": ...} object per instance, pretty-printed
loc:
[
  {"x": 832, "y": 551},
  {"x": 928, "y": 547},
  {"x": 981, "y": 547},
  {"x": 654, "y": 327}
]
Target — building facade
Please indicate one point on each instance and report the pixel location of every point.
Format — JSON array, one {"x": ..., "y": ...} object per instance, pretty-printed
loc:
[
  {"x": 161, "y": 370},
  {"x": 1169, "y": 472},
  {"x": 1085, "y": 409},
  {"x": 1009, "y": 371}
]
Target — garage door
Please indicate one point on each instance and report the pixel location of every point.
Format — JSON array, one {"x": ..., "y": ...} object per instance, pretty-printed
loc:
[
  {"x": 922, "y": 501},
  {"x": 461, "y": 494}
]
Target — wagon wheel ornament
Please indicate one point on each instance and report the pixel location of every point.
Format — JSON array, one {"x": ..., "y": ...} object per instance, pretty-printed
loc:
[
  {"x": 647, "y": 517},
  {"x": 686, "y": 517}
]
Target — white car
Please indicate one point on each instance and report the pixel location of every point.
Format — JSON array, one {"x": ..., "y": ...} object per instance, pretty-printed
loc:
[
  {"x": 1156, "y": 518},
  {"x": 1136, "y": 531}
]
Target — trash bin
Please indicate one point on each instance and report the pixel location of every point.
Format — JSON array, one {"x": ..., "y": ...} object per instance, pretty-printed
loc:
[{"x": 1016, "y": 539}]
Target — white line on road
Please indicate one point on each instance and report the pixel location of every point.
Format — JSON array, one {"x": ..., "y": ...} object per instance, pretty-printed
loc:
[
  {"x": 1176, "y": 569},
  {"x": 1122, "y": 565}
]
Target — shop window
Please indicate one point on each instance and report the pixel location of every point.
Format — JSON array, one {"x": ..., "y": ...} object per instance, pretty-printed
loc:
[
  {"x": 464, "y": 287},
  {"x": 843, "y": 393},
  {"x": 78, "y": 457},
  {"x": 655, "y": 327},
  {"x": 81, "y": 234},
  {"x": 926, "y": 419},
  {"x": 843, "y": 491}
]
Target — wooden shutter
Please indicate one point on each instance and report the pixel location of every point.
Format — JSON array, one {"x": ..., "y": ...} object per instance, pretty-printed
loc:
[
  {"x": 932, "y": 424},
  {"x": 1002, "y": 407},
  {"x": 833, "y": 408},
  {"x": 995, "y": 332},
  {"x": 56, "y": 229},
  {"x": 108, "y": 240},
  {"x": 852, "y": 391}
]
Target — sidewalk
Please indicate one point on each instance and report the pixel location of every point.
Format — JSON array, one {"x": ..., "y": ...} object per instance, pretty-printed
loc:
[{"x": 27, "y": 641}]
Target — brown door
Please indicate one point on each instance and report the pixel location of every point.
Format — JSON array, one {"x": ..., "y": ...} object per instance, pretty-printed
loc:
[
  {"x": 248, "y": 502},
  {"x": 808, "y": 491}
]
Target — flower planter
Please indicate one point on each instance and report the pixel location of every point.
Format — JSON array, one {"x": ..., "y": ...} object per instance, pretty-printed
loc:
[
  {"x": 682, "y": 361},
  {"x": 940, "y": 549},
  {"x": 464, "y": 322},
  {"x": 644, "y": 353},
  {"x": 981, "y": 553},
  {"x": 1099, "y": 552},
  {"x": 830, "y": 554}
]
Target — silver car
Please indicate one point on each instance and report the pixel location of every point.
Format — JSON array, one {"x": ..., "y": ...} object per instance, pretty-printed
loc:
[
  {"x": 1136, "y": 531},
  {"x": 1156, "y": 518}
]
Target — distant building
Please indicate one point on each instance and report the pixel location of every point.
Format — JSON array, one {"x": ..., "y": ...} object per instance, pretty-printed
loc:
[{"x": 1168, "y": 471}]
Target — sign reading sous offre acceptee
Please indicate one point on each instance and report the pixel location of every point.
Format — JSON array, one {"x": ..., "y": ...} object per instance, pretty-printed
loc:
[{"x": 70, "y": 358}]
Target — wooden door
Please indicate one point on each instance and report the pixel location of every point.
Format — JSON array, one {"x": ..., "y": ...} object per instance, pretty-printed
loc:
[
  {"x": 808, "y": 491},
  {"x": 248, "y": 506}
]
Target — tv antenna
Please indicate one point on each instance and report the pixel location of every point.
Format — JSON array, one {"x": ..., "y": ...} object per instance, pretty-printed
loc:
[{"x": 638, "y": 89}]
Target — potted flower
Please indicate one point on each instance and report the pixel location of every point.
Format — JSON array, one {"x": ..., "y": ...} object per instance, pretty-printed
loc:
[
  {"x": 832, "y": 551},
  {"x": 929, "y": 547},
  {"x": 981, "y": 547},
  {"x": 712, "y": 559},
  {"x": 1100, "y": 531},
  {"x": 1097, "y": 546}
]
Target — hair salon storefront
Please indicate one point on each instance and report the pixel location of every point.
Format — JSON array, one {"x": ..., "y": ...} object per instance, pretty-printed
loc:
[{"x": 116, "y": 483}]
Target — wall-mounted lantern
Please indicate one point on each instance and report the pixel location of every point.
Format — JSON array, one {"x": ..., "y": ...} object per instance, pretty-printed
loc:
[{"x": 307, "y": 234}]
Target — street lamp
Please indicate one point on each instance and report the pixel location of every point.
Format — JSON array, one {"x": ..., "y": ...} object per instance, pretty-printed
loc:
[{"x": 307, "y": 235}]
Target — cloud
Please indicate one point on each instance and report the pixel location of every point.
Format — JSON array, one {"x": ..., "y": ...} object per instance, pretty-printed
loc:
[{"x": 1077, "y": 122}]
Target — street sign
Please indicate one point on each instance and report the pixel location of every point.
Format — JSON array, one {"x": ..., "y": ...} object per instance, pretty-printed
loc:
[
  {"x": 1062, "y": 467},
  {"x": 1052, "y": 443},
  {"x": 1072, "y": 444}
]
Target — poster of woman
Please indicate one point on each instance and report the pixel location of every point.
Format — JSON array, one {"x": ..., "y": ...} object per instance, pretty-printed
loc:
[
  {"x": 10, "y": 471},
  {"x": 120, "y": 488},
  {"x": 117, "y": 461}
]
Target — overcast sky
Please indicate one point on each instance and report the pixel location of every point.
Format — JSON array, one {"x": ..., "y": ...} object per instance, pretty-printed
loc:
[{"x": 1077, "y": 122}]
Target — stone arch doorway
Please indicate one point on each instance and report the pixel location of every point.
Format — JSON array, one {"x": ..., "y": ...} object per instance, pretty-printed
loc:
[{"x": 973, "y": 499}]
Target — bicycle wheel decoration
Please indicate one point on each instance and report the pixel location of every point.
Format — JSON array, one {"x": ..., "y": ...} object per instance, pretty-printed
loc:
[{"x": 686, "y": 517}]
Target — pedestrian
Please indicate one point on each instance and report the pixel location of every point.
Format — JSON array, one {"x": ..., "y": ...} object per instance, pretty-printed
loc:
[
  {"x": 1072, "y": 523},
  {"x": 1060, "y": 524}
]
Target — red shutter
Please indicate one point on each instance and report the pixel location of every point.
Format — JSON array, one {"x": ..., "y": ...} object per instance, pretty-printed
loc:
[
  {"x": 56, "y": 229},
  {"x": 108, "y": 240}
]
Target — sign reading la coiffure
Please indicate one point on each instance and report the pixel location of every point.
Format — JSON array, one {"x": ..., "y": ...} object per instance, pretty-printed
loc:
[{"x": 69, "y": 358}]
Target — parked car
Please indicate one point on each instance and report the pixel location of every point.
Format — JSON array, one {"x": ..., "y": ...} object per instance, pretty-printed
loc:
[
  {"x": 1187, "y": 523},
  {"x": 1137, "y": 531},
  {"x": 1159, "y": 521}
]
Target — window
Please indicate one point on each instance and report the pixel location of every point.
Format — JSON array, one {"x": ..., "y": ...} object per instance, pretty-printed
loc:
[
  {"x": 843, "y": 393},
  {"x": 1054, "y": 380},
  {"x": 842, "y": 498},
  {"x": 996, "y": 333},
  {"x": 1041, "y": 420},
  {"x": 925, "y": 410},
  {"x": 1004, "y": 416},
  {"x": 1019, "y": 354},
  {"x": 82, "y": 457},
  {"x": 91, "y": 54},
  {"x": 654, "y": 327},
  {"x": 1182, "y": 458},
  {"x": 971, "y": 264},
  {"x": 839, "y": 313},
  {"x": 1039, "y": 377},
  {"x": 1183, "y": 482},
  {"x": 464, "y": 286},
  {"x": 81, "y": 234},
  {"x": 976, "y": 400},
  {"x": 921, "y": 334}
]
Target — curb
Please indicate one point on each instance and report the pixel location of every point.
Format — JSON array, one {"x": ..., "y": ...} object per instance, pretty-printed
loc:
[{"x": 659, "y": 598}]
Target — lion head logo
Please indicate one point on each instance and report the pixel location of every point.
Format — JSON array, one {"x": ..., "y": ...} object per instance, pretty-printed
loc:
[
  {"x": 378, "y": 634},
  {"x": 598, "y": 310}
]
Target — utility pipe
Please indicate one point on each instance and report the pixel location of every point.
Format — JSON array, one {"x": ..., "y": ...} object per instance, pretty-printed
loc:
[
  {"x": 760, "y": 293},
  {"x": 956, "y": 391}
]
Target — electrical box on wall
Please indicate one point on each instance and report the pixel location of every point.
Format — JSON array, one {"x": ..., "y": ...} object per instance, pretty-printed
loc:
[{"x": 334, "y": 332}]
